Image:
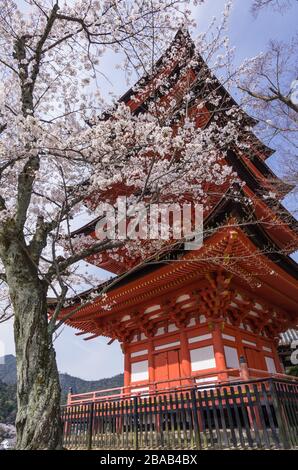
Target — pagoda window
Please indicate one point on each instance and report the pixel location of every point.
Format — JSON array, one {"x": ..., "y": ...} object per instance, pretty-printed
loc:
[
  {"x": 202, "y": 358},
  {"x": 270, "y": 364},
  {"x": 232, "y": 360},
  {"x": 139, "y": 371},
  {"x": 202, "y": 319}
]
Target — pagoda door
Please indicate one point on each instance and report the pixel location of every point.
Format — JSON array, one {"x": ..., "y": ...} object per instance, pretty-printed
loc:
[
  {"x": 253, "y": 359},
  {"x": 167, "y": 367}
]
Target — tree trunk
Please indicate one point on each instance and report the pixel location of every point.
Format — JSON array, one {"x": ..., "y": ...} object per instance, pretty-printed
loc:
[
  {"x": 38, "y": 422},
  {"x": 38, "y": 390}
]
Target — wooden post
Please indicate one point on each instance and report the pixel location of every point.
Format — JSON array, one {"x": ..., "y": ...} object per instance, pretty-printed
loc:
[
  {"x": 90, "y": 425},
  {"x": 244, "y": 375},
  {"x": 279, "y": 365},
  {"x": 69, "y": 396},
  {"x": 244, "y": 372},
  {"x": 66, "y": 426},
  {"x": 280, "y": 416},
  {"x": 135, "y": 422},
  {"x": 151, "y": 370},
  {"x": 219, "y": 352},
  {"x": 126, "y": 370},
  {"x": 195, "y": 418},
  {"x": 185, "y": 357}
]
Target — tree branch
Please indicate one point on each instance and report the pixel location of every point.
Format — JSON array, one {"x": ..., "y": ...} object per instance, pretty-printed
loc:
[
  {"x": 258, "y": 96},
  {"x": 64, "y": 263}
]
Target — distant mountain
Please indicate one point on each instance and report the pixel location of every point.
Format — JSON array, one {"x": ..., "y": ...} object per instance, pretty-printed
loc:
[
  {"x": 8, "y": 403},
  {"x": 8, "y": 369},
  {"x": 80, "y": 386},
  {"x": 8, "y": 376}
]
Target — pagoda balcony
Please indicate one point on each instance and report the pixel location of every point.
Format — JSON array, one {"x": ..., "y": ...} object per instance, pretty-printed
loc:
[
  {"x": 206, "y": 380},
  {"x": 198, "y": 412}
]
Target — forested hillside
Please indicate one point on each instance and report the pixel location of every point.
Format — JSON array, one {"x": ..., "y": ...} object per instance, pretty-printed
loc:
[
  {"x": 7, "y": 403},
  {"x": 8, "y": 387}
]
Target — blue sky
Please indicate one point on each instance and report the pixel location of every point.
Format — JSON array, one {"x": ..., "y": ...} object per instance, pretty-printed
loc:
[{"x": 95, "y": 359}]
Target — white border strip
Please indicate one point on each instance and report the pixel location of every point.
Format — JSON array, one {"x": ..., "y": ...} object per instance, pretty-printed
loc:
[
  {"x": 168, "y": 345},
  {"x": 194, "y": 339},
  {"x": 139, "y": 353},
  {"x": 249, "y": 342}
]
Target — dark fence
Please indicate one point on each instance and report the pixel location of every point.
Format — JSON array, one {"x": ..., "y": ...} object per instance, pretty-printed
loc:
[{"x": 254, "y": 414}]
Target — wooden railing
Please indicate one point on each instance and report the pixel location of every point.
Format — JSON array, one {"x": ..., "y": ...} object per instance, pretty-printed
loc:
[
  {"x": 185, "y": 382},
  {"x": 128, "y": 390},
  {"x": 260, "y": 413}
]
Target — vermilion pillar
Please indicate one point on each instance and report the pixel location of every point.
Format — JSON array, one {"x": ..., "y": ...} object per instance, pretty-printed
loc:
[
  {"x": 278, "y": 364},
  {"x": 219, "y": 352},
  {"x": 151, "y": 371},
  {"x": 185, "y": 356},
  {"x": 126, "y": 368}
]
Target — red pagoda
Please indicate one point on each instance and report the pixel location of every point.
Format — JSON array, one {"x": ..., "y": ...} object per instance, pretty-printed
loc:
[{"x": 192, "y": 317}]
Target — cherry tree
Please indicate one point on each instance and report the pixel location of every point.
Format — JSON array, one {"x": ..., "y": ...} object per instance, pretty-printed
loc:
[
  {"x": 270, "y": 85},
  {"x": 60, "y": 145},
  {"x": 277, "y": 5}
]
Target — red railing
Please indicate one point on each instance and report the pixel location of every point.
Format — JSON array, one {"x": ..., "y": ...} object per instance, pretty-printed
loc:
[
  {"x": 151, "y": 387},
  {"x": 239, "y": 414},
  {"x": 164, "y": 385}
]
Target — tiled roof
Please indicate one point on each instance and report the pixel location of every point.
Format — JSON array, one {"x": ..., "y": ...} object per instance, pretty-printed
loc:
[{"x": 287, "y": 337}]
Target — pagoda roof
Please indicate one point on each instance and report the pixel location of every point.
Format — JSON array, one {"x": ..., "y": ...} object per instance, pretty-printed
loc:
[
  {"x": 278, "y": 220},
  {"x": 183, "y": 37},
  {"x": 269, "y": 230},
  {"x": 288, "y": 337},
  {"x": 251, "y": 169},
  {"x": 246, "y": 252},
  {"x": 220, "y": 215}
]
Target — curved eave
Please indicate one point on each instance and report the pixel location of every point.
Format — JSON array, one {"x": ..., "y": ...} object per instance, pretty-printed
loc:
[
  {"x": 277, "y": 275},
  {"x": 285, "y": 232},
  {"x": 288, "y": 224}
]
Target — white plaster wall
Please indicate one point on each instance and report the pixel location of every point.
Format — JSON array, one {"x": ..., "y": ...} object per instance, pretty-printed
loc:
[
  {"x": 202, "y": 358},
  {"x": 231, "y": 357},
  {"x": 139, "y": 371}
]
